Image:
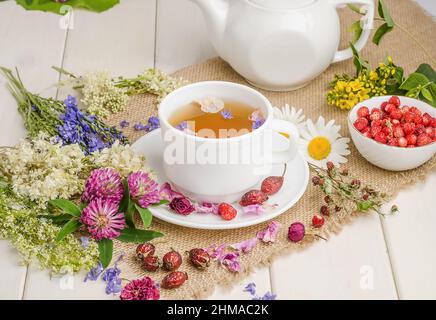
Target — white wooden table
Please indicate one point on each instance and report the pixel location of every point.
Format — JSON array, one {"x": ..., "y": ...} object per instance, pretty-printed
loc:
[{"x": 372, "y": 258}]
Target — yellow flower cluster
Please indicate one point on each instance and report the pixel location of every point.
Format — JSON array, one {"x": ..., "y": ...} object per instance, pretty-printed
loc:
[{"x": 346, "y": 92}]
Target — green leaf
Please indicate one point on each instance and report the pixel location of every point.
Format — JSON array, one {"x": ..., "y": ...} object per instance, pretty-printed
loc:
[
  {"x": 57, "y": 7},
  {"x": 384, "y": 13},
  {"x": 146, "y": 216},
  {"x": 357, "y": 30},
  {"x": 354, "y": 8},
  {"x": 358, "y": 61},
  {"x": 428, "y": 71},
  {"x": 162, "y": 202},
  {"x": 365, "y": 205},
  {"x": 57, "y": 219},
  {"x": 69, "y": 227},
  {"x": 380, "y": 33},
  {"x": 138, "y": 236},
  {"x": 124, "y": 204},
  {"x": 426, "y": 93},
  {"x": 413, "y": 81},
  {"x": 105, "y": 248},
  {"x": 66, "y": 206}
]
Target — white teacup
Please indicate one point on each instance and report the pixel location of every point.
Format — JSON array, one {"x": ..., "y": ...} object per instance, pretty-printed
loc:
[{"x": 222, "y": 170}]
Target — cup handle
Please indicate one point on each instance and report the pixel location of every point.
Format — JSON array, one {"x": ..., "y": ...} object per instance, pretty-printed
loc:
[
  {"x": 290, "y": 129},
  {"x": 368, "y": 21}
]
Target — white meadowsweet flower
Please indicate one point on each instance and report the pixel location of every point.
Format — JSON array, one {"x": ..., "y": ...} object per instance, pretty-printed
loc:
[
  {"x": 321, "y": 142},
  {"x": 211, "y": 104},
  {"x": 290, "y": 114}
]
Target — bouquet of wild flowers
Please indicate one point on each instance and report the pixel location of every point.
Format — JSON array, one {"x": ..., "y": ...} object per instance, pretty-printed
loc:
[{"x": 62, "y": 120}]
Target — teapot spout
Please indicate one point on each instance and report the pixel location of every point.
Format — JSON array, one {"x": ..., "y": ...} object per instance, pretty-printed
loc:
[{"x": 215, "y": 14}]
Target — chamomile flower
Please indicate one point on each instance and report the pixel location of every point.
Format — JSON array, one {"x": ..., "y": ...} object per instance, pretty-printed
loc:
[
  {"x": 290, "y": 114},
  {"x": 320, "y": 142}
]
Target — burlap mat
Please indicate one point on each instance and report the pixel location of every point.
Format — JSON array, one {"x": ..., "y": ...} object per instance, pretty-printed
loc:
[{"x": 312, "y": 99}]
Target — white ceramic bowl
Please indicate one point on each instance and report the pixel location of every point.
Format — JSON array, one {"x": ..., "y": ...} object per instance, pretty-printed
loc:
[{"x": 388, "y": 157}]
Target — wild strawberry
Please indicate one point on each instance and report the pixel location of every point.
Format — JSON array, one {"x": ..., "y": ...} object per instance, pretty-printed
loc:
[
  {"x": 317, "y": 221},
  {"x": 405, "y": 109},
  {"x": 383, "y": 105},
  {"x": 325, "y": 211},
  {"x": 253, "y": 197},
  {"x": 389, "y": 108},
  {"x": 171, "y": 260},
  {"x": 143, "y": 250},
  {"x": 272, "y": 185},
  {"x": 396, "y": 114},
  {"x": 402, "y": 142},
  {"x": 423, "y": 140},
  {"x": 426, "y": 119},
  {"x": 387, "y": 131},
  {"x": 420, "y": 129},
  {"x": 226, "y": 211},
  {"x": 367, "y": 134},
  {"x": 395, "y": 101},
  {"x": 430, "y": 131},
  {"x": 409, "y": 116},
  {"x": 398, "y": 132},
  {"x": 375, "y": 130},
  {"x": 199, "y": 258},
  {"x": 393, "y": 142},
  {"x": 433, "y": 122},
  {"x": 417, "y": 119},
  {"x": 416, "y": 111},
  {"x": 151, "y": 263},
  {"x": 362, "y": 112},
  {"x": 409, "y": 128},
  {"x": 174, "y": 279},
  {"x": 411, "y": 146},
  {"x": 375, "y": 114},
  {"x": 411, "y": 139},
  {"x": 380, "y": 137},
  {"x": 367, "y": 129},
  {"x": 361, "y": 123},
  {"x": 395, "y": 121},
  {"x": 377, "y": 123}
]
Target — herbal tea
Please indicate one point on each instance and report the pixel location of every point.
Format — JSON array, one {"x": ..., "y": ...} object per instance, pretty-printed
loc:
[{"x": 214, "y": 118}]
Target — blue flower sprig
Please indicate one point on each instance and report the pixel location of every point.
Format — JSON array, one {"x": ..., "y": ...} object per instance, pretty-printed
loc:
[{"x": 251, "y": 289}]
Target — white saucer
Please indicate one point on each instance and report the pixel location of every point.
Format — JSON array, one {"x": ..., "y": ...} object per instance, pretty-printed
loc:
[{"x": 294, "y": 186}]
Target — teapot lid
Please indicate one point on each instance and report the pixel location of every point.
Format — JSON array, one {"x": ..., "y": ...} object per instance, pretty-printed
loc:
[{"x": 282, "y": 4}]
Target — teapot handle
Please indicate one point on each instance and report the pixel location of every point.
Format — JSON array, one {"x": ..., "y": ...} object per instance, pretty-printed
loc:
[{"x": 367, "y": 20}]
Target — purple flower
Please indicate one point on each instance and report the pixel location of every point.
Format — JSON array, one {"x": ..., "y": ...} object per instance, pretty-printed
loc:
[
  {"x": 206, "y": 207},
  {"x": 182, "y": 206},
  {"x": 167, "y": 193},
  {"x": 258, "y": 123},
  {"x": 139, "y": 127},
  {"x": 94, "y": 273},
  {"x": 269, "y": 296},
  {"x": 251, "y": 288},
  {"x": 124, "y": 124},
  {"x": 182, "y": 126},
  {"x": 103, "y": 183},
  {"x": 111, "y": 277},
  {"x": 84, "y": 241},
  {"x": 246, "y": 245},
  {"x": 215, "y": 252},
  {"x": 70, "y": 101},
  {"x": 143, "y": 188},
  {"x": 296, "y": 232},
  {"x": 102, "y": 219},
  {"x": 269, "y": 234},
  {"x": 153, "y": 124},
  {"x": 230, "y": 261},
  {"x": 254, "y": 208},
  {"x": 141, "y": 289},
  {"x": 226, "y": 114}
]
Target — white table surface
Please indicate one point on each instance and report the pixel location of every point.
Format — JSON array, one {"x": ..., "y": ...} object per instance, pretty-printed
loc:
[{"x": 373, "y": 258}]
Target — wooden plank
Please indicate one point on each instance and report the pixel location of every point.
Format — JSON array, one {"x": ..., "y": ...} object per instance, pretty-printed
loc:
[
  {"x": 182, "y": 38},
  {"x": 32, "y": 42},
  {"x": 121, "y": 41},
  {"x": 352, "y": 265},
  {"x": 410, "y": 237}
]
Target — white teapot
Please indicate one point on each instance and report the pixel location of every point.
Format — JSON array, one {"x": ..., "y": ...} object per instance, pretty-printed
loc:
[{"x": 280, "y": 45}]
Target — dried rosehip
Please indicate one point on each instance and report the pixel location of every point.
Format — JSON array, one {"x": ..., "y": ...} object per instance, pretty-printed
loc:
[
  {"x": 226, "y": 211},
  {"x": 174, "y": 279},
  {"x": 171, "y": 260},
  {"x": 253, "y": 197},
  {"x": 325, "y": 211},
  {"x": 151, "y": 263},
  {"x": 272, "y": 185},
  {"x": 296, "y": 232},
  {"x": 199, "y": 258},
  {"x": 144, "y": 249}
]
